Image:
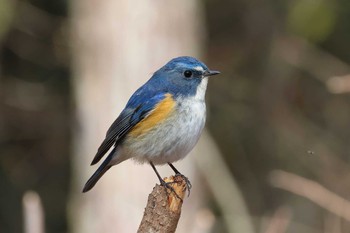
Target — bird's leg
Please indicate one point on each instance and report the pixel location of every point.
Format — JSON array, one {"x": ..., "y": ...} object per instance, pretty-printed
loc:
[
  {"x": 177, "y": 173},
  {"x": 163, "y": 183}
]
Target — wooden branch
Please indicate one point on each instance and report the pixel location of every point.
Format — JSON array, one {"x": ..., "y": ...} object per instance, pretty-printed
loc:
[
  {"x": 33, "y": 213},
  {"x": 163, "y": 209},
  {"x": 312, "y": 191}
]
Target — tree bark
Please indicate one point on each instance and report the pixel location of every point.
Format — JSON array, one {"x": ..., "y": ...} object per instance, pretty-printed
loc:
[{"x": 163, "y": 209}]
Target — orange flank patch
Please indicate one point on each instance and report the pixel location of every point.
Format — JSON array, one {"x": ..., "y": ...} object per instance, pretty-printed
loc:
[{"x": 162, "y": 110}]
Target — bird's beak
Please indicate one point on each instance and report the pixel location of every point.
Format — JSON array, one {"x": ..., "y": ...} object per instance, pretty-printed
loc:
[{"x": 210, "y": 73}]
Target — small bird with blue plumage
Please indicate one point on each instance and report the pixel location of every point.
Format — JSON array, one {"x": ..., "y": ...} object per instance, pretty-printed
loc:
[{"x": 162, "y": 121}]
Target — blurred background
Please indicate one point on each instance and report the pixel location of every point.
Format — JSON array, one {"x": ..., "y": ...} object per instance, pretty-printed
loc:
[{"x": 274, "y": 157}]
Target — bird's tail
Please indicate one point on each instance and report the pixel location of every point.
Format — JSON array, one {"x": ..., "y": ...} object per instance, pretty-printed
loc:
[{"x": 105, "y": 166}]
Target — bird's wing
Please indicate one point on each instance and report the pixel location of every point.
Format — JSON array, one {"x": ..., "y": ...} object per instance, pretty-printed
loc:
[{"x": 136, "y": 110}]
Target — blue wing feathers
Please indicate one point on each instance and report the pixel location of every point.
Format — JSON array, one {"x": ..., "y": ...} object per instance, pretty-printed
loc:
[
  {"x": 146, "y": 107},
  {"x": 138, "y": 107},
  {"x": 114, "y": 133}
]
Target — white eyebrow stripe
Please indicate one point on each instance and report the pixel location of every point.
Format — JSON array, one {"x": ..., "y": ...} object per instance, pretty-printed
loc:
[{"x": 198, "y": 68}]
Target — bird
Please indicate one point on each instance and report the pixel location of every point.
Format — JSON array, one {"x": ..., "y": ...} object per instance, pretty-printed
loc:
[{"x": 162, "y": 121}]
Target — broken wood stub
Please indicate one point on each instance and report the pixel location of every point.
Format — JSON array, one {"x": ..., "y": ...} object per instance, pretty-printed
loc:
[{"x": 163, "y": 209}]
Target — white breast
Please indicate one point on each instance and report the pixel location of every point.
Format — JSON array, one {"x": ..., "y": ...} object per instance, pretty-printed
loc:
[{"x": 174, "y": 138}]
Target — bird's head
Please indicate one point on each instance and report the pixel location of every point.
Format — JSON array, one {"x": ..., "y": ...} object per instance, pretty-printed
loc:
[{"x": 184, "y": 76}]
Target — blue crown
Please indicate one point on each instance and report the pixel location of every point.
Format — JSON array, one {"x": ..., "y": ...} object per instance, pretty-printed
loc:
[{"x": 185, "y": 62}]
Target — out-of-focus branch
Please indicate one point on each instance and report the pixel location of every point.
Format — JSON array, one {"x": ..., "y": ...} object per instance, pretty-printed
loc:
[
  {"x": 339, "y": 84},
  {"x": 322, "y": 65},
  {"x": 306, "y": 56},
  {"x": 223, "y": 187},
  {"x": 33, "y": 213},
  {"x": 279, "y": 221},
  {"x": 312, "y": 191},
  {"x": 163, "y": 209}
]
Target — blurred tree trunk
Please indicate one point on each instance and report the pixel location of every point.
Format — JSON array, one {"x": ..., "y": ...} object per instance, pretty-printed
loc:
[{"x": 117, "y": 45}]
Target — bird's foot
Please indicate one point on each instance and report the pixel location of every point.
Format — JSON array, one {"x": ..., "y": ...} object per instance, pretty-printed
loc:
[
  {"x": 168, "y": 186},
  {"x": 188, "y": 183}
]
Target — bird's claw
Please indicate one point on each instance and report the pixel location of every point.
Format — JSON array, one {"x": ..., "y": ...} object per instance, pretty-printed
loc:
[
  {"x": 188, "y": 183},
  {"x": 168, "y": 186}
]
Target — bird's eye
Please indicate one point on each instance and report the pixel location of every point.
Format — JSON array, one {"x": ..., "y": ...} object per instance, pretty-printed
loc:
[{"x": 188, "y": 73}]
